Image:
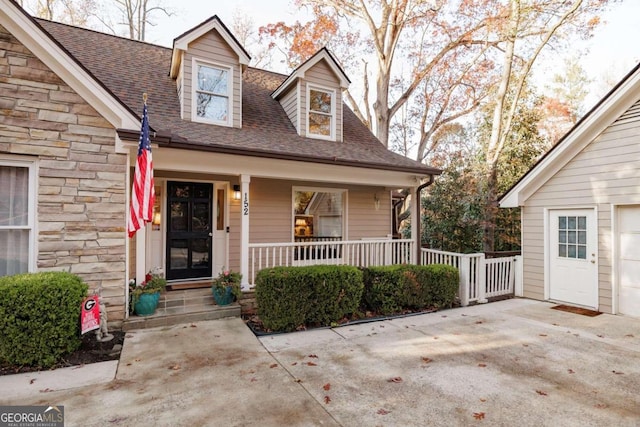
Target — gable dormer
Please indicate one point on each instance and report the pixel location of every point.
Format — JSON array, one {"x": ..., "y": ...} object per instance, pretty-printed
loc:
[
  {"x": 312, "y": 97},
  {"x": 207, "y": 64}
]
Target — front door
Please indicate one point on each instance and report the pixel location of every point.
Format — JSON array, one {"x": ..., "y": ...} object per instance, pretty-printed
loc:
[
  {"x": 629, "y": 260},
  {"x": 189, "y": 229},
  {"x": 573, "y": 273}
]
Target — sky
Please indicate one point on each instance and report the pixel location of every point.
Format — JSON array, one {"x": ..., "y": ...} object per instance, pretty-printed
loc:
[{"x": 607, "y": 57}]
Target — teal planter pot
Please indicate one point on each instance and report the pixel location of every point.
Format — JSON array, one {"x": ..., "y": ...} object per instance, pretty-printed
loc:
[
  {"x": 147, "y": 304},
  {"x": 222, "y": 297}
]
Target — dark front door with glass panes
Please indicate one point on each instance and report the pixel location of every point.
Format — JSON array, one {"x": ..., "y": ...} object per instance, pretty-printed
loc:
[{"x": 189, "y": 231}]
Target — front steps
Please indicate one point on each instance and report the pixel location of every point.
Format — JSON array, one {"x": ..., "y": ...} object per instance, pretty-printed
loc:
[{"x": 185, "y": 306}]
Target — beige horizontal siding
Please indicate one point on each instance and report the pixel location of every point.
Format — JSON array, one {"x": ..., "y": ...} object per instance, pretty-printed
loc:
[
  {"x": 211, "y": 47},
  {"x": 605, "y": 173},
  {"x": 289, "y": 103}
]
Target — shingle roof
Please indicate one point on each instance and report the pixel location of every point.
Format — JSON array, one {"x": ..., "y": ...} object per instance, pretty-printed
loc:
[{"x": 128, "y": 68}]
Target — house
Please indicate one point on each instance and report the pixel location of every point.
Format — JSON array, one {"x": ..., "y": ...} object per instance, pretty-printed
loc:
[
  {"x": 581, "y": 210},
  {"x": 249, "y": 165}
]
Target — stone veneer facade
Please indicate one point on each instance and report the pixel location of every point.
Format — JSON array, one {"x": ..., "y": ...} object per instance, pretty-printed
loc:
[{"x": 81, "y": 180}]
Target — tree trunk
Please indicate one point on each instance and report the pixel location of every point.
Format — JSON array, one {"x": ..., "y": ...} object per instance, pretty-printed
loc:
[{"x": 490, "y": 210}]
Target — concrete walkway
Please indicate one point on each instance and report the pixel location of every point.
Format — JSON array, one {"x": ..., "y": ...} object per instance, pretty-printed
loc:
[{"x": 515, "y": 362}]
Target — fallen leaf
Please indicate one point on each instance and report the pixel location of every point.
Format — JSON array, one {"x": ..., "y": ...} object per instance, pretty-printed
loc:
[
  {"x": 193, "y": 326},
  {"x": 253, "y": 380},
  {"x": 395, "y": 380},
  {"x": 571, "y": 371},
  {"x": 483, "y": 400},
  {"x": 382, "y": 412},
  {"x": 478, "y": 415},
  {"x": 435, "y": 338},
  {"x": 617, "y": 372},
  {"x": 601, "y": 405},
  {"x": 542, "y": 335},
  {"x": 427, "y": 360},
  {"x": 444, "y": 315},
  {"x": 298, "y": 380},
  {"x": 46, "y": 390},
  {"x": 541, "y": 393},
  {"x": 313, "y": 356},
  {"x": 137, "y": 360},
  {"x": 629, "y": 336},
  {"x": 327, "y": 387},
  {"x": 311, "y": 364},
  {"x": 327, "y": 399},
  {"x": 479, "y": 322},
  {"x": 294, "y": 363},
  {"x": 129, "y": 364},
  {"x": 600, "y": 336},
  {"x": 274, "y": 365},
  {"x": 555, "y": 324},
  {"x": 482, "y": 365},
  {"x": 174, "y": 367},
  {"x": 525, "y": 345},
  {"x": 33, "y": 380},
  {"x": 463, "y": 315}
]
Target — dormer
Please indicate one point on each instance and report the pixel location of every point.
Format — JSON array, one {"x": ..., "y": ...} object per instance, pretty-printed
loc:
[
  {"x": 312, "y": 97},
  {"x": 207, "y": 65}
]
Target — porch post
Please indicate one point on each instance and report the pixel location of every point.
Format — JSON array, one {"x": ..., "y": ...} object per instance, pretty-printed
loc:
[
  {"x": 415, "y": 225},
  {"x": 244, "y": 231}
]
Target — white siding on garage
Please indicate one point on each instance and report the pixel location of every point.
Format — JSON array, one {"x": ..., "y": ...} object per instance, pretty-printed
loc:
[{"x": 605, "y": 173}]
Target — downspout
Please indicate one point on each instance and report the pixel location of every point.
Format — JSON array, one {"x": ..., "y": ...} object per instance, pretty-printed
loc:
[{"x": 419, "y": 219}]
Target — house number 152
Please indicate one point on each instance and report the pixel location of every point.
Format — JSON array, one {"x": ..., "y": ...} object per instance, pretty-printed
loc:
[{"x": 245, "y": 204}]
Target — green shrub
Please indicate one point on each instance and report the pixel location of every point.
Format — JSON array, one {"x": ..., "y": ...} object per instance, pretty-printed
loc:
[
  {"x": 392, "y": 289},
  {"x": 289, "y": 297},
  {"x": 39, "y": 317}
]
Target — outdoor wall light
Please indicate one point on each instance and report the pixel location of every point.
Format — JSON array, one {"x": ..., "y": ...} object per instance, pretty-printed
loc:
[
  {"x": 156, "y": 218},
  {"x": 236, "y": 192},
  {"x": 301, "y": 222}
]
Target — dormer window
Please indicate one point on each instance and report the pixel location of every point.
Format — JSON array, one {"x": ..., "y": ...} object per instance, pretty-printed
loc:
[
  {"x": 212, "y": 94},
  {"x": 321, "y": 118}
]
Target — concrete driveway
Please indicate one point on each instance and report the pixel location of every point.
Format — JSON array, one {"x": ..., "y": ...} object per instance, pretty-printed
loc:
[{"x": 515, "y": 362}]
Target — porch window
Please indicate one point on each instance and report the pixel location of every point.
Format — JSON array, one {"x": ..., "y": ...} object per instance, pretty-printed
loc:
[
  {"x": 321, "y": 113},
  {"x": 16, "y": 216},
  {"x": 212, "y": 97},
  {"x": 318, "y": 215}
]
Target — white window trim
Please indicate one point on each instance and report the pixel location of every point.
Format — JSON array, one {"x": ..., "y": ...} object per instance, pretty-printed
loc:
[
  {"x": 345, "y": 202},
  {"x": 31, "y": 165},
  {"x": 332, "y": 136},
  {"x": 194, "y": 85}
]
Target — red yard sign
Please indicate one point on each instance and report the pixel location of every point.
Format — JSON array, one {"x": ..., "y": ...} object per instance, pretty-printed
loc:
[{"x": 90, "y": 315}]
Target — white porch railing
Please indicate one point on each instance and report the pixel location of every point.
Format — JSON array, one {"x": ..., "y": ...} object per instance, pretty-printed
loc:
[
  {"x": 359, "y": 253},
  {"x": 480, "y": 278}
]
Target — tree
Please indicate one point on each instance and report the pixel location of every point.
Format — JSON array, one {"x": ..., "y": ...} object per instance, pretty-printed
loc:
[
  {"x": 72, "y": 12},
  {"x": 433, "y": 52},
  {"x": 530, "y": 26},
  {"x": 134, "y": 15}
]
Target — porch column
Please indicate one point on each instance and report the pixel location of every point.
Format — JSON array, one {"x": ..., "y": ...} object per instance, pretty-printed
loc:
[
  {"x": 244, "y": 231},
  {"x": 415, "y": 225}
]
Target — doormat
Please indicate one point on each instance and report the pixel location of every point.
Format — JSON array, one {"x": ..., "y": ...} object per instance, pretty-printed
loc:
[
  {"x": 576, "y": 310},
  {"x": 188, "y": 285}
]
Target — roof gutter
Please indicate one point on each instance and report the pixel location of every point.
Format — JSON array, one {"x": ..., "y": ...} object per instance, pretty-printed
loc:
[{"x": 418, "y": 222}]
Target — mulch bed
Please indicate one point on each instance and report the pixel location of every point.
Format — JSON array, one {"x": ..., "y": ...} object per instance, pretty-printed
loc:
[
  {"x": 255, "y": 324},
  {"x": 576, "y": 310},
  {"x": 90, "y": 351}
]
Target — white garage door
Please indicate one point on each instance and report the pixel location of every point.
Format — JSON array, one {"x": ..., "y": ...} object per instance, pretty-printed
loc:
[
  {"x": 573, "y": 273},
  {"x": 629, "y": 260}
]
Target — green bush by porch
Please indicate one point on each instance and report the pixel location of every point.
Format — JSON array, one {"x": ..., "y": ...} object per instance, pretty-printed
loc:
[
  {"x": 392, "y": 289},
  {"x": 289, "y": 297},
  {"x": 39, "y": 317}
]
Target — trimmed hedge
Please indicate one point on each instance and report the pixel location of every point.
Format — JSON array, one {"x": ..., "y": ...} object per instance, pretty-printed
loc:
[
  {"x": 39, "y": 317},
  {"x": 289, "y": 297},
  {"x": 392, "y": 289}
]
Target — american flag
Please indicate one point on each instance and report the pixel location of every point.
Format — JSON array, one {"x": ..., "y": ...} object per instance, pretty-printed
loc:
[{"x": 142, "y": 193}]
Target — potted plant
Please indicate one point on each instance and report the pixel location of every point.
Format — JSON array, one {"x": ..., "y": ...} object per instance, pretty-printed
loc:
[
  {"x": 226, "y": 287},
  {"x": 146, "y": 295}
]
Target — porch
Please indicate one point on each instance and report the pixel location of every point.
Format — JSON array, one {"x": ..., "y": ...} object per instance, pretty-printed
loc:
[{"x": 481, "y": 278}]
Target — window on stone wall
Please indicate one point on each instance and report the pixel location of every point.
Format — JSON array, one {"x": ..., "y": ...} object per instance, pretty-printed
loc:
[{"x": 17, "y": 204}]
